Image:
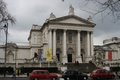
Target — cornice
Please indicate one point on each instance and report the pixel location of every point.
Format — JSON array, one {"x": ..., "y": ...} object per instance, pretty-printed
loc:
[{"x": 72, "y": 24}]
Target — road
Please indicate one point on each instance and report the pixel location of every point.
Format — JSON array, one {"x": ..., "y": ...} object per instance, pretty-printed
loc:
[
  {"x": 22, "y": 78},
  {"x": 11, "y": 78}
]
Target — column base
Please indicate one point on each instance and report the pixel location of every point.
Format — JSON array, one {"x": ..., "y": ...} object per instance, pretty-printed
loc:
[
  {"x": 79, "y": 59},
  {"x": 89, "y": 58},
  {"x": 55, "y": 59},
  {"x": 64, "y": 59}
]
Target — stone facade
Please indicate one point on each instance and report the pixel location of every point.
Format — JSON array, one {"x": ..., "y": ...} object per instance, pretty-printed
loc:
[
  {"x": 114, "y": 44},
  {"x": 14, "y": 54},
  {"x": 108, "y": 54},
  {"x": 69, "y": 38}
]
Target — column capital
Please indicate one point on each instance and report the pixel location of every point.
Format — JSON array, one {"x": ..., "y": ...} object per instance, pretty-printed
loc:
[
  {"x": 78, "y": 31},
  {"x": 49, "y": 29},
  {"x": 90, "y": 31},
  {"x": 64, "y": 29},
  {"x": 54, "y": 29}
]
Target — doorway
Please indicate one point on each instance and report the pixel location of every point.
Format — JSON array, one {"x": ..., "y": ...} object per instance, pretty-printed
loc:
[
  {"x": 58, "y": 51},
  {"x": 69, "y": 54}
]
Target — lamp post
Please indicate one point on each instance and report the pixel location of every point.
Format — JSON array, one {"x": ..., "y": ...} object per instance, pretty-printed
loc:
[
  {"x": 5, "y": 27},
  {"x": 6, "y": 35}
]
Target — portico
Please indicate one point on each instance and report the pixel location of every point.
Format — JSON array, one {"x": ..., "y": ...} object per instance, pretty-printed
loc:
[
  {"x": 88, "y": 47},
  {"x": 69, "y": 38}
]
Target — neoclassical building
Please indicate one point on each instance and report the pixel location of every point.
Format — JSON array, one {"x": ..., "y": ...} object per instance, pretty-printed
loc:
[
  {"x": 68, "y": 39},
  {"x": 114, "y": 44},
  {"x": 108, "y": 54}
]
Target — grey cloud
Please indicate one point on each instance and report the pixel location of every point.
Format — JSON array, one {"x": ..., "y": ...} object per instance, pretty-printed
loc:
[{"x": 28, "y": 12}]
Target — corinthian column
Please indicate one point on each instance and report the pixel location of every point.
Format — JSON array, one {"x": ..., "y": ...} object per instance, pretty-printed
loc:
[
  {"x": 50, "y": 39},
  {"x": 64, "y": 48},
  {"x": 88, "y": 44},
  {"x": 78, "y": 48},
  {"x": 54, "y": 44},
  {"x": 92, "y": 52}
]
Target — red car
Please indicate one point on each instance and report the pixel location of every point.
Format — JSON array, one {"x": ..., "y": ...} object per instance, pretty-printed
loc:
[
  {"x": 101, "y": 74},
  {"x": 42, "y": 75}
]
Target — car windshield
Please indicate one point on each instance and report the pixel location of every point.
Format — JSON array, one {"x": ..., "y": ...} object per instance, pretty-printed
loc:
[
  {"x": 101, "y": 71},
  {"x": 71, "y": 72},
  {"x": 79, "y": 72},
  {"x": 41, "y": 72}
]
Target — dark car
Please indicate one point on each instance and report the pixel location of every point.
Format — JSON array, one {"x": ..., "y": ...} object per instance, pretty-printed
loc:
[
  {"x": 118, "y": 74},
  {"x": 74, "y": 75},
  {"x": 102, "y": 74}
]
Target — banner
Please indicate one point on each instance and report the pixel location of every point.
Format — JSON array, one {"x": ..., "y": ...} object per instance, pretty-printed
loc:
[
  {"x": 49, "y": 55},
  {"x": 110, "y": 55},
  {"x": 40, "y": 54}
]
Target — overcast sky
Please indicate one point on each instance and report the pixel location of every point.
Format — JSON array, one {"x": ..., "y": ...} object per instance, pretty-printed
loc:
[{"x": 29, "y": 12}]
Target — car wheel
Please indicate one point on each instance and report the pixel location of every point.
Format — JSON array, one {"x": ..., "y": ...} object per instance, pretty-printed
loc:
[
  {"x": 99, "y": 78},
  {"x": 35, "y": 79},
  {"x": 95, "y": 79},
  {"x": 65, "y": 78},
  {"x": 85, "y": 78},
  {"x": 54, "y": 79}
]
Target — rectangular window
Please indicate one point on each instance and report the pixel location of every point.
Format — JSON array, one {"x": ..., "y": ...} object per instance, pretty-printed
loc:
[
  {"x": 70, "y": 37},
  {"x": 58, "y": 37}
]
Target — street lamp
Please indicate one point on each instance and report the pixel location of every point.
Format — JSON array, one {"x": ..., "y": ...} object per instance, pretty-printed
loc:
[{"x": 6, "y": 35}]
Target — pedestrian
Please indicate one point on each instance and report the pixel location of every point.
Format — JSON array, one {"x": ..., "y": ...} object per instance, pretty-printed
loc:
[{"x": 13, "y": 74}]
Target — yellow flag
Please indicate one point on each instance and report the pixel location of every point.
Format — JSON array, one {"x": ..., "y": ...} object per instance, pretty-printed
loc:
[{"x": 49, "y": 55}]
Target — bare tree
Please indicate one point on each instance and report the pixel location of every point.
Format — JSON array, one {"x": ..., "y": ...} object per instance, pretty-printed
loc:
[
  {"x": 5, "y": 16},
  {"x": 5, "y": 19},
  {"x": 108, "y": 6}
]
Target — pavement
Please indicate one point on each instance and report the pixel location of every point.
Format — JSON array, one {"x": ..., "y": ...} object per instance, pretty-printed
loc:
[{"x": 13, "y": 76}]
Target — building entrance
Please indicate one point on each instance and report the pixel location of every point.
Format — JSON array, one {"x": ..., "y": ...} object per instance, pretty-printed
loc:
[
  {"x": 69, "y": 57},
  {"x": 58, "y": 51},
  {"x": 69, "y": 54}
]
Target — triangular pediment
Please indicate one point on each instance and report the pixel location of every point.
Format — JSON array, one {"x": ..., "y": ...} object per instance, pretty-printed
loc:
[{"x": 72, "y": 19}]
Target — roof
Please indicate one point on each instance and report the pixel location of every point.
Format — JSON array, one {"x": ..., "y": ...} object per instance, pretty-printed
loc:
[
  {"x": 71, "y": 16},
  {"x": 60, "y": 19}
]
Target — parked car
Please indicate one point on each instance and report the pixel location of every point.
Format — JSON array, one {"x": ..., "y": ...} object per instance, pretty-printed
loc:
[
  {"x": 42, "y": 74},
  {"x": 118, "y": 74},
  {"x": 101, "y": 74},
  {"x": 74, "y": 75}
]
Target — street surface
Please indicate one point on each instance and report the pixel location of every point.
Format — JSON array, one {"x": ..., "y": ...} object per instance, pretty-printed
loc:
[
  {"x": 11, "y": 78},
  {"x": 23, "y": 78}
]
